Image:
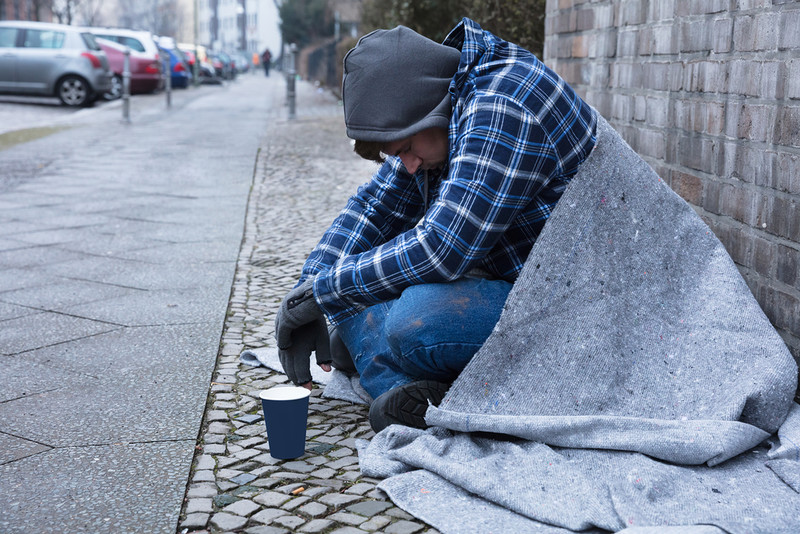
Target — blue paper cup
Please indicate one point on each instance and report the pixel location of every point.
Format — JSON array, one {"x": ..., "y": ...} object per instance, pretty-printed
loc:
[{"x": 286, "y": 414}]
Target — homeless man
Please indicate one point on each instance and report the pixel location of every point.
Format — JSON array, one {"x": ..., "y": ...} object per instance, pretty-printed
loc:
[{"x": 477, "y": 140}]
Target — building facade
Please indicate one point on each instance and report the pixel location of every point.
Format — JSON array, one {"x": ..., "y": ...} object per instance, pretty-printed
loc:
[
  {"x": 249, "y": 25},
  {"x": 708, "y": 92},
  {"x": 25, "y": 10}
]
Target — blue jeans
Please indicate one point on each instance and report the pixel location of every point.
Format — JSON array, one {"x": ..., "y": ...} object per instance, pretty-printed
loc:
[{"x": 429, "y": 333}]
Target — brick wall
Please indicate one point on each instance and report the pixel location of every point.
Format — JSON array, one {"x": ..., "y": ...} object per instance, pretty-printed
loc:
[{"x": 708, "y": 92}]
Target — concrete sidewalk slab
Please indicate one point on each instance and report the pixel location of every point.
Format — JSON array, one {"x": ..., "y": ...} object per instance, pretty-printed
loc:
[{"x": 118, "y": 245}]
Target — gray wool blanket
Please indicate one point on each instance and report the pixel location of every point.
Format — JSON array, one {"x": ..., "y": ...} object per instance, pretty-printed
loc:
[{"x": 632, "y": 383}]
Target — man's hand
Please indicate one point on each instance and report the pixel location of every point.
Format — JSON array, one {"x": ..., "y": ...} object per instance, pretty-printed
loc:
[{"x": 300, "y": 328}]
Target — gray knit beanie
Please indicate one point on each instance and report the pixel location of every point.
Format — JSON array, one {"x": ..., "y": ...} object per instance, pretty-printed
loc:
[{"x": 395, "y": 84}]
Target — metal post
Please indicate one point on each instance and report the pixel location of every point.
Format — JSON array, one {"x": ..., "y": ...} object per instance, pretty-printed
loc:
[
  {"x": 126, "y": 86},
  {"x": 196, "y": 66},
  {"x": 291, "y": 74},
  {"x": 168, "y": 79}
]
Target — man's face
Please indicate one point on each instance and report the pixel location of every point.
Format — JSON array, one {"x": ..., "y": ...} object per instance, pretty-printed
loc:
[{"x": 425, "y": 150}]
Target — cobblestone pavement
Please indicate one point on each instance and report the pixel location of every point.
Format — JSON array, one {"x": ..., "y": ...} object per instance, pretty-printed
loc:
[{"x": 304, "y": 173}]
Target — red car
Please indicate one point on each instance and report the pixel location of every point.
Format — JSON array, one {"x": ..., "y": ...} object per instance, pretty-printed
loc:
[{"x": 145, "y": 72}]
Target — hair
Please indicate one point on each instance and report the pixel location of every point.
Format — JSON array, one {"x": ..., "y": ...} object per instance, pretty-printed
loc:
[{"x": 371, "y": 150}]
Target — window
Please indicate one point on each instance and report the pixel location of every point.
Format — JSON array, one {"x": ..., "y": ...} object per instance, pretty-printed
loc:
[
  {"x": 8, "y": 37},
  {"x": 135, "y": 44},
  {"x": 91, "y": 44},
  {"x": 43, "y": 39}
]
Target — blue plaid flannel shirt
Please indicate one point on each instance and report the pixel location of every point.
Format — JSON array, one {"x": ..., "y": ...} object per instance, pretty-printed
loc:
[{"x": 517, "y": 135}]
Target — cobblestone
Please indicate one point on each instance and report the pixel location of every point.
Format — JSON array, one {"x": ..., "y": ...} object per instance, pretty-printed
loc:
[{"x": 303, "y": 175}]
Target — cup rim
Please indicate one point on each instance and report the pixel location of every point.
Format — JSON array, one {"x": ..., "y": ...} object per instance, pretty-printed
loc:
[{"x": 284, "y": 393}]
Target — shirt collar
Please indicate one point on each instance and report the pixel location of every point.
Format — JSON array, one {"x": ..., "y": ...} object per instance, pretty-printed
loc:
[{"x": 468, "y": 37}]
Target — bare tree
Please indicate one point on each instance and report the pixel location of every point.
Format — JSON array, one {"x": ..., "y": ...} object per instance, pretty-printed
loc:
[
  {"x": 90, "y": 12},
  {"x": 157, "y": 16},
  {"x": 65, "y": 10}
]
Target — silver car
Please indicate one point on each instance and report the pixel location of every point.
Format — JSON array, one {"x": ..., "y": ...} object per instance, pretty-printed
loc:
[{"x": 38, "y": 58}]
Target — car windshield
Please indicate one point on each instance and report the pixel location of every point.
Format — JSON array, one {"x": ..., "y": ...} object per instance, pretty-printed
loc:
[{"x": 88, "y": 38}]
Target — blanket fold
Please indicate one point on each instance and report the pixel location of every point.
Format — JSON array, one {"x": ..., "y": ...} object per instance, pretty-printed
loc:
[{"x": 630, "y": 358}]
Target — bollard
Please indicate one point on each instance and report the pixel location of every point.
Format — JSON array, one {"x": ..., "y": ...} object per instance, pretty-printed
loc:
[
  {"x": 126, "y": 86},
  {"x": 291, "y": 74},
  {"x": 168, "y": 80}
]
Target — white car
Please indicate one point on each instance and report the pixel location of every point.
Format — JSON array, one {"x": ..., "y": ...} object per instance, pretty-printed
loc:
[{"x": 44, "y": 59}]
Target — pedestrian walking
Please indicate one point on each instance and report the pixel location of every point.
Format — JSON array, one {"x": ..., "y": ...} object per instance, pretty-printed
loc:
[{"x": 266, "y": 59}]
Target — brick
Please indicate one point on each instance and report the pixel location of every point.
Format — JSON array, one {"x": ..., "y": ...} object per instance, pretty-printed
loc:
[
  {"x": 738, "y": 203},
  {"x": 744, "y": 77},
  {"x": 268, "y": 514},
  {"x": 792, "y": 79},
  {"x": 347, "y": 518},
  {"x": 584, "y": 19},
  {"x": 695, "y": 36},
  {"x": 639, "y": 108},
  {"x": 788, "y": 173},
  {"x": 661, "y": 10},
  {"x": 651, "y": 143},
  {"x": 744, "y": 39},
  {"x": 580, "y": 46},
  {"x": 788, "y": 131},
  {"x": 272, "y": 498},
  {"x": 604, "y": 16},
  {"x": 756, "y": 123},
  {"x": 195, "y": 521},
  {"x": 403, "y": 527},
  {"x": 722, "y": 35},
  {"x": 789, "y": 37},
  {"x": 750, "y": 164},
  {"x": 604, "y": 45},
  {"x": 241, "y": 508},
  {"x": 630, "y": 13},
  {"x": 699, "y": 153},
  {"x": 656, "y": 75},
  {"x": 766, "y": 27},
  {"x": 316, "y": 525},
  {"x": 627, "y": 42},
  {"x": 564, "y": 22},
  {"x": 782, "y": 220},
  {"x": 763, "y": 256},
  {"x": 663, "y": 40},
  {"x": 626, "y": 75},
  {"x": 787, "y": 264},
  {"x": 688, "y": 186},
  {"x": 225, "y": 521},
  {"x": 658, "y": 111},
  {"x": 622, "y": 107}
]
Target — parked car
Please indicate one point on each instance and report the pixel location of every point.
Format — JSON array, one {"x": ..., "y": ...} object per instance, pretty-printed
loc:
[
  {"x": 39, "y": 58},
  {"x": 241, "y": 62},
  {"x": 141, "y": 69},
  {"x": 223, "y": 65},
  {"x": 180, "y": 71},
  {"x": 143, "y": 50},
  {"x": 206, "y": 72}
]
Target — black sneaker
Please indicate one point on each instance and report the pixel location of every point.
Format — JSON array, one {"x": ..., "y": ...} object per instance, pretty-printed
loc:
[{"x": 406, "y": 405}]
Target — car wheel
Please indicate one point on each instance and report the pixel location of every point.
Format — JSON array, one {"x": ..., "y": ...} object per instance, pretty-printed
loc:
[
  {"x": 116, "y": 88},
  {"x": 74, "y": 91}
]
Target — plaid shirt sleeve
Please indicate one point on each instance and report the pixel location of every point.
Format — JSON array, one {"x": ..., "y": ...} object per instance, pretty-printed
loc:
[{"x": 500, "y": 159}]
